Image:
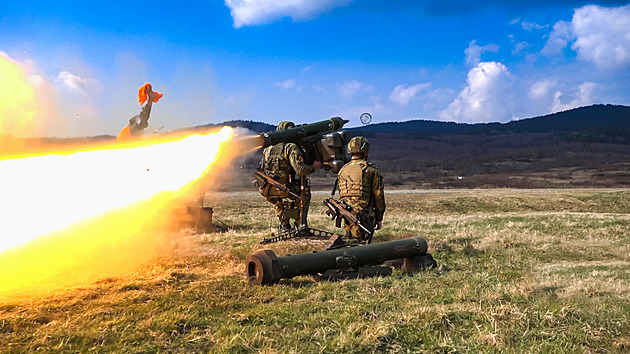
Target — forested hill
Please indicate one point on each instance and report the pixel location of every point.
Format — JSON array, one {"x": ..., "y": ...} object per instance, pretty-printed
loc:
[
  {"x": 585, "y": 147},
  {"x": 596, "y": 117},
  {"x": 614, "y": 119},
  {"x": 582, "y": 147}
]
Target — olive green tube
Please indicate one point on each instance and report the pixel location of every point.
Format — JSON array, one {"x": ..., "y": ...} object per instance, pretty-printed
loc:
[
  {"x": 301, "y": 131},
  {"x": 264, "y": 267},
  {"x": 295, "y": 134}
]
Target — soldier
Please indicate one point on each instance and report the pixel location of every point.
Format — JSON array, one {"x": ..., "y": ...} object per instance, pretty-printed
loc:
[
  {"x": 282, "y": 162},
  {"x": 139, "y": 122},
  {"x": 361, "y": 187}
]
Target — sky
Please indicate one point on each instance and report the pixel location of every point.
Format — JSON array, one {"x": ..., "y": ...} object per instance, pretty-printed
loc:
[{"x": 305, "y": 61}]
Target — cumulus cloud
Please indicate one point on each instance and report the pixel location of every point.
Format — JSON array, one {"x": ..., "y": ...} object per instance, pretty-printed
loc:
[
  {"x": 350, "y": 89},
  {"x": 486, "y": 98},
  {"x": 71, "y": 82},
  {"x": 585, "y": 95},
  {"x": 539, "y": 97},
  {"x": 600, "y": 35},
  {"x": 541, "y": 89},
  {"x": 558, "y": 39},
  {"x": 603, "y": 35},
  {"x": 402, "y": 94},
  {"x": 473, "y": 52},
  {"x": 257, "y": 12},
  {"x": 286, "y": 84}
]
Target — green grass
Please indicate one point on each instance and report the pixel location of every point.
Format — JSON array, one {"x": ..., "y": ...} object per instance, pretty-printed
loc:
[{"x": 522, "y": 271}]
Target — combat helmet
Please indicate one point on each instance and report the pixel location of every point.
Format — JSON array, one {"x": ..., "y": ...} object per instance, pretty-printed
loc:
[
  {"x": 358, "y": 145},
  {"x": 285, "y": 125}
]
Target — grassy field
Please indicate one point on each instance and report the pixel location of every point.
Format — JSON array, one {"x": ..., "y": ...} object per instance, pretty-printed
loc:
[{"x": 519, "y": 270}]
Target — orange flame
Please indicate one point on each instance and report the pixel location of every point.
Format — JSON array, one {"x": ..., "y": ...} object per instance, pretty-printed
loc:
[
  {"x": 70, "y": 218},
  {"x": 18, "y": 105}
]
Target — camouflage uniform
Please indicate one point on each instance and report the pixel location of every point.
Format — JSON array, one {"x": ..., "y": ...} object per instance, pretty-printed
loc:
[
  {"x": 361, "y": 187},
  {"x": 282, "y": 162}
]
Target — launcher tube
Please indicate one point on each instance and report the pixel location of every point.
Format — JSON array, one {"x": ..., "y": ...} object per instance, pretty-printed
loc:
[
  {"x": 264, "y": 267},
  {"x": 299, "y": 132}
]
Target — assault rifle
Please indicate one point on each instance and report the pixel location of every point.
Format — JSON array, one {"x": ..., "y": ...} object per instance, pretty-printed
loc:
[
  {"x": 263, "y": 179},
  {"x": 339, "y": 209}
]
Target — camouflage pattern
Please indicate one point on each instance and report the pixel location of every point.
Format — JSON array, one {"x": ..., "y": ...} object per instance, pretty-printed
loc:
[
  {"x": 282, "y": 162},
  {"x": 358, "y": 145},
  {"x": 361, "y": 186}
]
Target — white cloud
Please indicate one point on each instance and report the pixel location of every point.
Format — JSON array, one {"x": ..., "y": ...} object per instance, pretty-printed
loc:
[
  {"x": 402, "y": 94},
  {"x": 257, "y": 12},
  {"x": 486, "y": 98},
  {"x": 582, "y": 97},
  {"x": 350, "y": 89},
  {"x": 600, "y": 35},
  {"x": 473, "y": 52},
  {"x": 286, "y": 84},
  {"x": 541, "y": 89},
  {"x": 71, "y": 82},
  {"x": 558, "y": 39},
  {"x": 540, "y": 97},
  {"x": 603, "y": 35},
  {"x": 528, "y": 26}
]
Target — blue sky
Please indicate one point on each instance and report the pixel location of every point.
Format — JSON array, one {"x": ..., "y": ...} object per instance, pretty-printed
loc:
[{"x": 305, "y": 60}]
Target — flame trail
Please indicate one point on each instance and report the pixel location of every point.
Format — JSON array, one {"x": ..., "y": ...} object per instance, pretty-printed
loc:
[
  {"x": 17, "y": 98},
  {"x": 69, "y": 218}
]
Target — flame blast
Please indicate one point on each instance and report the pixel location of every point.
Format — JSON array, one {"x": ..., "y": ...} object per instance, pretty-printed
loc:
[{"x": 69, "y": 219}]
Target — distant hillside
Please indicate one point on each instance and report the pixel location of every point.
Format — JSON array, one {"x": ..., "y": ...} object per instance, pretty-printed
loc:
[
  {"x": 613, "y": 119},
  {"x": 598, "y": 117},
  {"x": 582, "y": 147}
]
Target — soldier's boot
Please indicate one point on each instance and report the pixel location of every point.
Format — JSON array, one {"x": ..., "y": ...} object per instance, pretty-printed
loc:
[
  {"x": 285, "y": 225},
  {"x": 285, "y": 219},
  {"x": 284, "y": 229},
  {"x": 304, "y": 216}
]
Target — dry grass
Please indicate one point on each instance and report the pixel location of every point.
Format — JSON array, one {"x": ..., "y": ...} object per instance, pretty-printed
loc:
[{"x": 529, "y": 270}]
